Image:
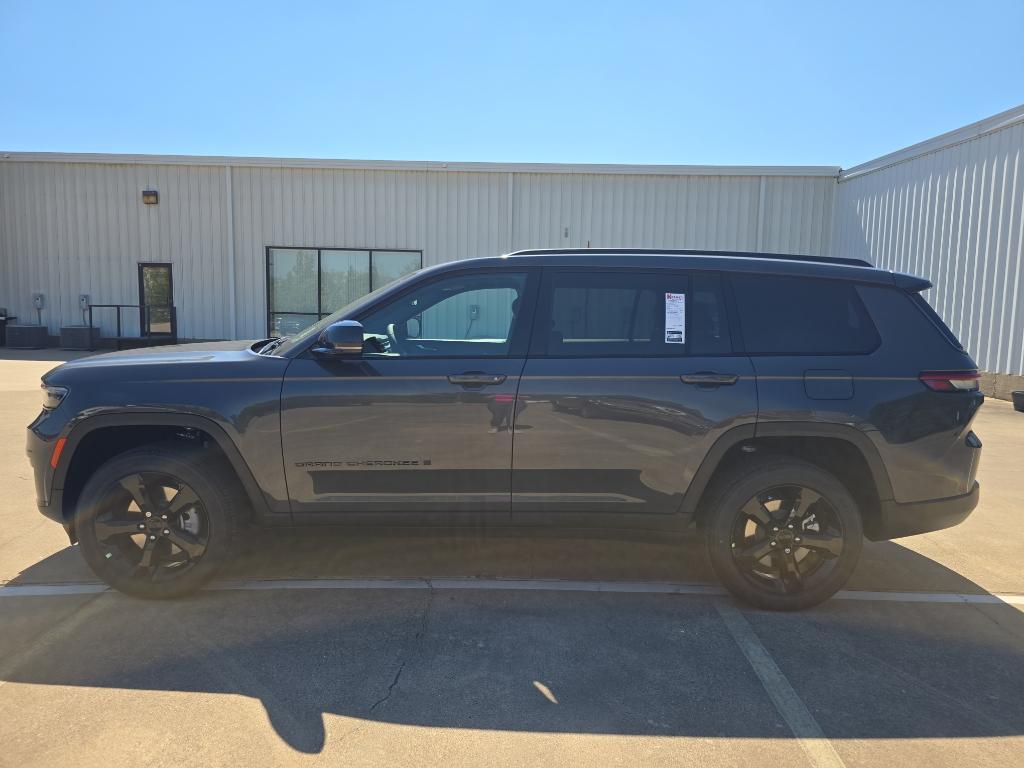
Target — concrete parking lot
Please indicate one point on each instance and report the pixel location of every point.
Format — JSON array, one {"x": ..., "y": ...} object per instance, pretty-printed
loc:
[{"x": 466, "y": 650}]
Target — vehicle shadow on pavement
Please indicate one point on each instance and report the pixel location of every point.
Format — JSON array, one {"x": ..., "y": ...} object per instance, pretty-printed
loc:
[{"x": 539, "y": 661}]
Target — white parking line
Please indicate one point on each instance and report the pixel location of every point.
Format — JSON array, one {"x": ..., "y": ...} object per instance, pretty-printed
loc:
[
  {"x": 552, "y": 585},
  {"x": 801, "y": 722},
  {"x": 51, "y": 590}
]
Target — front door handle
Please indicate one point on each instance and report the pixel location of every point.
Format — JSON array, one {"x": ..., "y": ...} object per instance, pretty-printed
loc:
[
  {"x": 709, "y": 379},
  {"x": 476, "y": 379}
]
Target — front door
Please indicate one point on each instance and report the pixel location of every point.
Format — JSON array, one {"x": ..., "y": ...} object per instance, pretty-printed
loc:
[
  {"x": 423, "y": 421},
  {"x": 156, "y": 299},
  {"x": 631, "y": 378}
]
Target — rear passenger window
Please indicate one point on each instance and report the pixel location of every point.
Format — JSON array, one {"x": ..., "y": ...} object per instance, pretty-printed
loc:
[
  {"x": 612, "y": 314},
  {"x": 709, "y": 327},
  {"x": 784, "y": 315}
]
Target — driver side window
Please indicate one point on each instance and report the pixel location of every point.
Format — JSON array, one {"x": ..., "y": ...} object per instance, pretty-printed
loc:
[{"x": 469, "y": 315}]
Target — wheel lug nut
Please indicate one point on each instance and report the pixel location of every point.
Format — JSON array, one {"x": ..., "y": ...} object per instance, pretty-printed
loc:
[
  {"x": 152, "y": 537},
  {"x": 773, "y": 543},
  {"x": 142, "y": 526},
  {"x": 788, "y": 550},
  {"x": 163, "y": 517},
  {"x": 149, "y": 514},
  {"x": 790, "y": 526},
  {"x": 797, "y": 539},
  {"x": 166, "y": 532},
  {"x": 775, "y": 528}
]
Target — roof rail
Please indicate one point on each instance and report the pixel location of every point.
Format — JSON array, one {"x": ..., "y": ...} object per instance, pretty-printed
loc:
[{"x": 691, "y": 252}]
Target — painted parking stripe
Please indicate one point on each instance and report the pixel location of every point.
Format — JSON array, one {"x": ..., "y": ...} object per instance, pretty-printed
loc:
[
  {"x": 552, "y": 585},
  {"x": 51, "y": 590},
  {"x": 801, "y": 722}
]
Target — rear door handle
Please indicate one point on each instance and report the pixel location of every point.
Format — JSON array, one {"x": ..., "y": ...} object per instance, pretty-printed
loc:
[
  {"x": 475, "y": 379},
  {"x": 709, "y": 379}
]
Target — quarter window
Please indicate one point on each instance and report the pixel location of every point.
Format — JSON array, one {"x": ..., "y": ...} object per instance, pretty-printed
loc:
[{"x": 784, "y": 315}]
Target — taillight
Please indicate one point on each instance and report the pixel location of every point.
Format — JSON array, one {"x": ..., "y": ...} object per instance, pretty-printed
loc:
[{"x": 951, "y": 381}]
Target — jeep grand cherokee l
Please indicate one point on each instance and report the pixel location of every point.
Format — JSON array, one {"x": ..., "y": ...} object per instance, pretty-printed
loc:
[{"x": 786, "y": 406}]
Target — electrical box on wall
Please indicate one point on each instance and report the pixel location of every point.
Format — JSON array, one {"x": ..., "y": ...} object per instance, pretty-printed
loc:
[
  {"x": 38, "y": 300},
  {"x": 83, "y": 302}
]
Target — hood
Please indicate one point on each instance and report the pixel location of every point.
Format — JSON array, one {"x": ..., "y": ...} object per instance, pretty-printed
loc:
[{"x": 178, "y": 354}]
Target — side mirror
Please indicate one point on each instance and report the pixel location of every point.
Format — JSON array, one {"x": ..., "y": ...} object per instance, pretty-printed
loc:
[{"x": 341, "y": 339}]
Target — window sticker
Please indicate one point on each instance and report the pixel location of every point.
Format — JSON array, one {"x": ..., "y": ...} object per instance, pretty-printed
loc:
[{"x": 675, "y": 318}]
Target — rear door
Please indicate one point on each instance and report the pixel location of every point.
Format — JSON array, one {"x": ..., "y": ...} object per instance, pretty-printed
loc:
[{"x": 631, "y": 378}]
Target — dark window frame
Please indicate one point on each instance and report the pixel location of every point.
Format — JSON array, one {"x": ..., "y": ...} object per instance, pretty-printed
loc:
[
  {"x": 320, "y": 314},
  {"x": 935, "y": 319}
]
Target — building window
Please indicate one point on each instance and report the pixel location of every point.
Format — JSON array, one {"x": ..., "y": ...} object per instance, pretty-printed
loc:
[{"x": 306, "y": 284}]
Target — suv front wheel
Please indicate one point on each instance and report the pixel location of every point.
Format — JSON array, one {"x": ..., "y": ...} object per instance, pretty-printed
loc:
[
  {"x": 157, "y": 521},
  {"x": 782, "y": 534}
]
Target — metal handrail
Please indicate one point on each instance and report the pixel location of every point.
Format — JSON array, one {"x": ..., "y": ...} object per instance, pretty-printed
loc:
[{"x": 145, "y": 321}]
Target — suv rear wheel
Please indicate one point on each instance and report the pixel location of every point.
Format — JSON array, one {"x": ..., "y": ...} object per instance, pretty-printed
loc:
[
  {"x": 782, "y": 534},
  {"x": 157, "y": 521}
]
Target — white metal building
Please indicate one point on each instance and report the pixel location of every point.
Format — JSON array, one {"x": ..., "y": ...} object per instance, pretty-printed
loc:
[
  {"x": 255, "y": 243},
  {"x": 950, "y": 209}
]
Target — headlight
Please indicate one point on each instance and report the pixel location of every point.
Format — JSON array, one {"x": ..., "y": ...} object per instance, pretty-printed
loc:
[{"x": 52, "y": 396}]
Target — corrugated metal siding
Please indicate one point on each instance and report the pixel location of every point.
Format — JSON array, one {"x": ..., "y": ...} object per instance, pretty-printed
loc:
[
  {"x": 955, "y": 216},
  {"x": 714, "y": 212},
  {"x": 446, "y": 215},
  {"x": 70, "y": 228}
]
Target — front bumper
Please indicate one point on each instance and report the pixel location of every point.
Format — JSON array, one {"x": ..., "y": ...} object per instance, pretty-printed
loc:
[
  {"x": 38, "y": 449},
  {"x": 895, "y": 520},
  {"x": 48, "y": 498}
]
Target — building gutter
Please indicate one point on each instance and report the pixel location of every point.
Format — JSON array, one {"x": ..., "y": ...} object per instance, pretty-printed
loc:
[{"x": 422, "y": 165}]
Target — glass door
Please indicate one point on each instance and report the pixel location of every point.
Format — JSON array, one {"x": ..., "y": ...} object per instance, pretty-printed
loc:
[{"x": 156, "y": 299}]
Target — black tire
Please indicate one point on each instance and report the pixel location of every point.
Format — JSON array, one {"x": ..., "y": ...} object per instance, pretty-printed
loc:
[
  {"x": 187, "y": 538},
  {"x": 791, "y": 574}
]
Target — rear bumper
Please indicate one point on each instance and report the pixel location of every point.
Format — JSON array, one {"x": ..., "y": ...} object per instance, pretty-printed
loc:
[{"x": 895, "y": 520}]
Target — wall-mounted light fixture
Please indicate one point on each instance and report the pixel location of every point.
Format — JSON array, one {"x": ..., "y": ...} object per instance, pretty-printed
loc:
[{"x": 150, "y": 197}]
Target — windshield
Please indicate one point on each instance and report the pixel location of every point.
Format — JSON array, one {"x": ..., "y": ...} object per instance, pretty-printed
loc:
[{"x": 306, "y": 335}]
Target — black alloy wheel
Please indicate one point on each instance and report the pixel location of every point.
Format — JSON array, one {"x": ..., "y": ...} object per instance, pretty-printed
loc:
[
  {"x": 787, "y": 538},
  {"x": 782, "y": 533},
  {"x": 158, "y": 521},
  {"x": 154, "y": 524}
]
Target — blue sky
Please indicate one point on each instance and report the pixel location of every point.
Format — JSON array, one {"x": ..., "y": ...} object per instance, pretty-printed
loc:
[{"x": 821, "y": 83}]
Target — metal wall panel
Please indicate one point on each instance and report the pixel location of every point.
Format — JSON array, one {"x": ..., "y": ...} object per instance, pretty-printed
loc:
[
  {"x": 446, "y": 215},
  {"x": 80, "y": 227},
  {"x": 773, "y": 213},
  {"x": 953, "y": 214},
  {"x": 67, "y": 229}
]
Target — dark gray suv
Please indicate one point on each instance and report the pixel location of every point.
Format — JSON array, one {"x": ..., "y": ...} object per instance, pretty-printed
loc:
[{"x": 786, "y": 406}]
